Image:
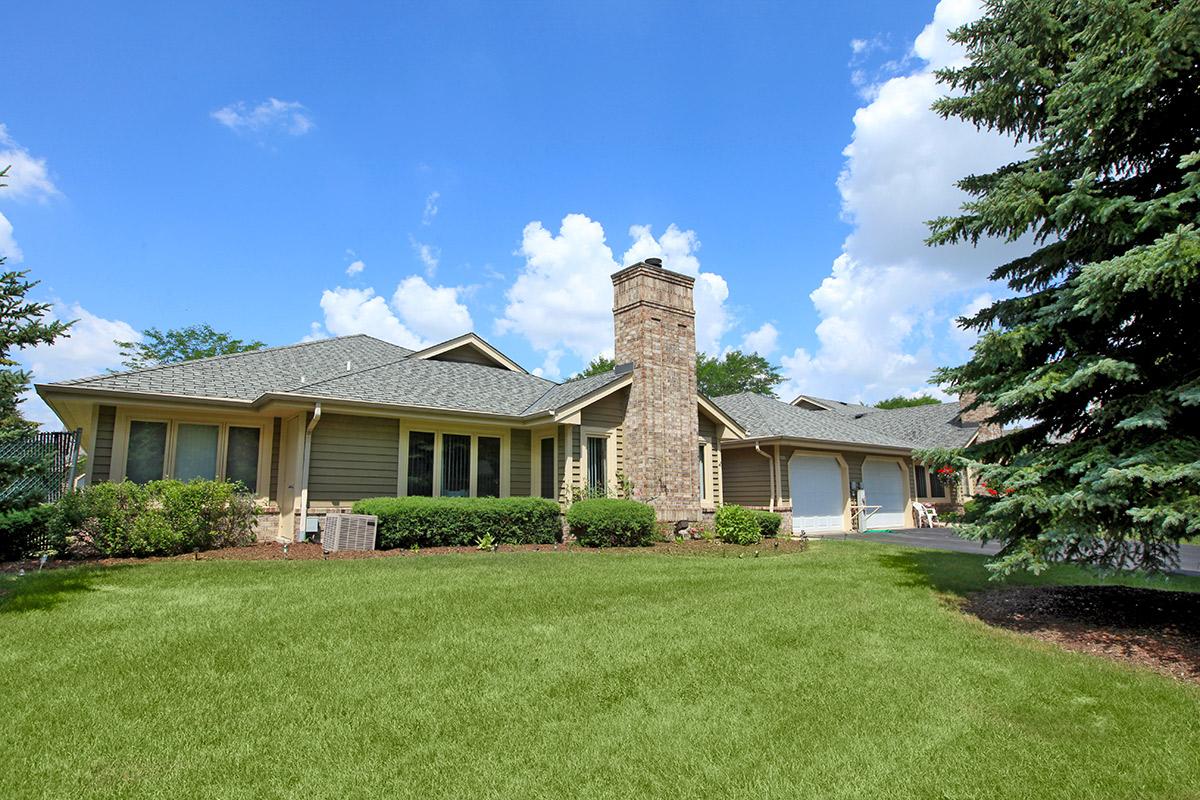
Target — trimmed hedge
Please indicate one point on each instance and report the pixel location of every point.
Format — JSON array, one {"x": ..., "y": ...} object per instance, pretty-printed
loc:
[
  {"x": 737, "y": 525},
  {"x": 158, "y": 518},
  {"x": 461, "y": 521},
  {"x": 25, "y": 532},
  {"x": 608, "y": 522},
  {"x": 768, "y": 523}
]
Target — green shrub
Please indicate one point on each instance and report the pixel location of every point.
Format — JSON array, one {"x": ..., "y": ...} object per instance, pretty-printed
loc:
[
  {"x": 605, "y": 522},
  {"x": 26, "y": 532},
  {"x": 462, "y": 521},
  {"x": 768, "y": 523},
  {"x": 158, "y": 518},
  {"x": 737, "y": 525}
]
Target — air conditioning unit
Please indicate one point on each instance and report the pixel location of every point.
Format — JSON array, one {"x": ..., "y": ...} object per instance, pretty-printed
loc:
[{"x": 349, "y": 532}]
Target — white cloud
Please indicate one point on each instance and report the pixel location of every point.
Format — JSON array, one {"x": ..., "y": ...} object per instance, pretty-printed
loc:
[
  {"x": 561, "y": 301},
  {"x": 269, "y": 116},
  {"x": 417, "y": 316},
  {"x": 431, "y": 208},
  {"x": 355, "y": 268},
  {"x": 428, "y": 254},
  {"x": 28, "y": 178},
  {"x": 879, "y": 305},
  {"x": 90, "y": 349},
  {"x": 763, "y": 341},
  {"x": 8, "y": 245}
]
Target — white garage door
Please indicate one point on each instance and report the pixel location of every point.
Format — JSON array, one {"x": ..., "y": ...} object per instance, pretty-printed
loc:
[
  {"x": 816, "y": 484},
  {"x": 883, "y": 483}
]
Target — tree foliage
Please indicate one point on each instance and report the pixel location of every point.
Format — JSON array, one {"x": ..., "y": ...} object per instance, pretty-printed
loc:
[
  {"x": 900, "y": 401},
  {"x": 1098, "y": 348},
  {"x": 181, "y": 344},
  {"x": 732, "y": 373},
  {"x": 22, "y": 324},
  {"x": 736, "y": 372}
]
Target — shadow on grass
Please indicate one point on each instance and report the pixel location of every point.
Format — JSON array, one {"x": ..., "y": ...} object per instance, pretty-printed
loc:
[
  {"x": 961, "y": 574},
  {"x": 41, "y": 591}
]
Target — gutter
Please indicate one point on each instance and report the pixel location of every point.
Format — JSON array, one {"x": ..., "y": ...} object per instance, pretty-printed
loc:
[
  {"x": 302, "y": 534},
  {"x": 771, "y": 461}
]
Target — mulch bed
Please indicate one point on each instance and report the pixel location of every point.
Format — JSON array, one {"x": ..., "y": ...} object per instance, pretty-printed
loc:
[
  {"x": 1151, "y": 628},
  {"x": 308, "y": 551}
]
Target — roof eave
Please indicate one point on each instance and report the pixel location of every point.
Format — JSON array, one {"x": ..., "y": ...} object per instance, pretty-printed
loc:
[{"x": 820, "y": 443}]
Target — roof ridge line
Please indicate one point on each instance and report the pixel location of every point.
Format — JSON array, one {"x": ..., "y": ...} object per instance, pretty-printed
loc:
[{"x": 274, "y": 349}]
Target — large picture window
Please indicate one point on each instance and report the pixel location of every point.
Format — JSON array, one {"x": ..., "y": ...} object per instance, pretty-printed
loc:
[
  {"x": 456, "y": 465},
  {"x": 158, "y": 449},
  {"x": 420, "y": 464}
]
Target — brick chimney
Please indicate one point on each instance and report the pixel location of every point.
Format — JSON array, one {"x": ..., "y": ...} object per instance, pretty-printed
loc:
[
  {"x": 654, "y": 318},
  {"x": 980, "y": 417}
]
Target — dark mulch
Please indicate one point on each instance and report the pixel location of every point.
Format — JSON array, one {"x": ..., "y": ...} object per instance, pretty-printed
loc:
[
  {"x": 1151, "y": 628},
  {"x": 308, "y": 551}
]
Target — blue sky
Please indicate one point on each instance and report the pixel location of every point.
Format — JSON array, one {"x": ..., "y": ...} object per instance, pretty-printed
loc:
[{"x": 288, "y": 171}]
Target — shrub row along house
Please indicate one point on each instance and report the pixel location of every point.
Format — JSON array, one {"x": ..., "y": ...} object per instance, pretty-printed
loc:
[{"x": 310, "y": 428}]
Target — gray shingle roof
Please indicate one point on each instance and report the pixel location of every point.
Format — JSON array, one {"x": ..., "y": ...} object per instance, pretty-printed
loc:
[
  {"x": 763, "y": 416},
  {"x": 564, "y": 394},
  {"x": 246, "y": 376},
  {"x": 847, "y": 409},
  {"x": 923, "y": 426},
  {"x": 450, "y": 385},
  {"x": 915, "y": 428}
]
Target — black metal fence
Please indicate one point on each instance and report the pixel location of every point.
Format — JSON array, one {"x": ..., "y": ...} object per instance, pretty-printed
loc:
[{"x": 57, "y": 452}]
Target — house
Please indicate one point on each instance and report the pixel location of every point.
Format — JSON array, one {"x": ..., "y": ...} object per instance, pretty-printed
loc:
[{"x": 312, "y": 427}]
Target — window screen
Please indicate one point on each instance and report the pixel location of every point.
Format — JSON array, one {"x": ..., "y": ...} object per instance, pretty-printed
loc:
[
  {"x": 549, "y": 489},
  {"x": 147, "y": 451},
  {"x": 487, "y": 467},
  {"x": 420, "y": 464},
  {"x": 196, "y": 452},
  {"x": 456, "y": 465},
  {"x": 241, "y": 457}
]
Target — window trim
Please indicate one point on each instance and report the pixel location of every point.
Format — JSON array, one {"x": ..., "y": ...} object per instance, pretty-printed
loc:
[
  {"x": 925, "y": 488},
  {"x": 709, "y": 500},
  {"x": 125, "y": 416},
  {"x": 536, "y": 436},
  {"x": 610, "y": 456}
]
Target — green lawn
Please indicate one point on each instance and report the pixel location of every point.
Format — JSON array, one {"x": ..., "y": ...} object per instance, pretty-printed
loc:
[{"x": 841, "y": 672}]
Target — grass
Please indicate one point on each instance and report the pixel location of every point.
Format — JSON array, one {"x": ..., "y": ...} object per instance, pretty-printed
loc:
[{"x": 842, "y": 672}]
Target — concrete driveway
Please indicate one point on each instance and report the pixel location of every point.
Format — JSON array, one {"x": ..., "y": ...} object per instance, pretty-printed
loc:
[{"x": 946, "y": 539}]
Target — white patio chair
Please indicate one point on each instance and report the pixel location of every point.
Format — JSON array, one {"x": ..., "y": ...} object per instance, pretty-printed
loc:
[{"x": 926, "y": 514}]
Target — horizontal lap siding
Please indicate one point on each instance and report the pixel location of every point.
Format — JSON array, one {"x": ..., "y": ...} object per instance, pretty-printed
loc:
[
  {"x": 276, "y": 431},
  {"x": 708, "y": 433},
  {"x": 354, "y": 457},
  {"x": 608, "y": 413},
  {"x": 102, "y": 459},
  {"x": 747, "y": 477},
  {"x": 519, "y": 481}
]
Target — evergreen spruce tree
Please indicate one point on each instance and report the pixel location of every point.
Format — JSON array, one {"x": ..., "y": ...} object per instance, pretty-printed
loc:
[{"x": 1094, "y": 363}]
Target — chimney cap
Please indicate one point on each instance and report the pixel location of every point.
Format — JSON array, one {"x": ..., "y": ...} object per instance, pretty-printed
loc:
[{"x": 654, "y": 262}]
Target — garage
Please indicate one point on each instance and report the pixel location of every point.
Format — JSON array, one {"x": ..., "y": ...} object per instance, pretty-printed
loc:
[
  {"x": 883, "y": 483},
  {"x": 818, "y": 496}
]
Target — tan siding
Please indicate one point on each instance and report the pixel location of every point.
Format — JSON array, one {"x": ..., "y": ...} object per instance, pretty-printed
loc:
[
  {"x": 747, "y": 477},
  {"x": 519, "y": 481},
  {"x": 276, "y": 429},
  {"x": 708, "y": 433},
  {"x": 354, "y": 457},
  {"x": 708, "y": 429},
  {"x": 101, "y": 460},
  {"x": 608, "y": 413},
  {"x": 568, "y": 444},
  {"x": 465, "y": 355}
]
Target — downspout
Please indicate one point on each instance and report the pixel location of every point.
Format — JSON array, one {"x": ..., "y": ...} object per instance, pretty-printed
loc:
[
  {"x": 767, "y": 456},
  {"x": 302, "y": 534}
]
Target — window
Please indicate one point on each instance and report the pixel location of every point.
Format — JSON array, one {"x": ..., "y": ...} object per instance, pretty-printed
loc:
[
  {"x": 703, "y": 475},
  {"x": 549, "y": 487},
  {"x": 196, "y": 452},
  {"x": 487, "y": 467},
  {"x": 420, "y": 464},
  {"x": 597, "y": 464},
  {"x": 241, "y": 457},
  {"x": 922, "y": 491},
  {"x": 456, "y": 465},
  {"x": 147, "y": 451},
  {"x": 936, "y": 487}
]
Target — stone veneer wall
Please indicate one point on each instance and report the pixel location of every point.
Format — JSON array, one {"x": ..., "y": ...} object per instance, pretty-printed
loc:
[{"x": 655, "y": 323}]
